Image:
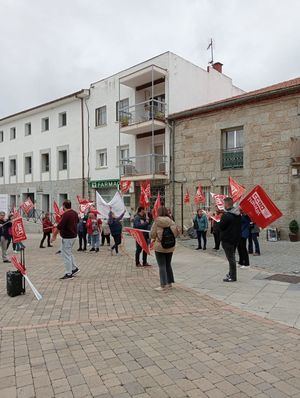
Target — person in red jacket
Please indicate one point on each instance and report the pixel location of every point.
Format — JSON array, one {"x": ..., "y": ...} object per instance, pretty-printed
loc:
[
  {"x": 94, "y": 227},
  {"x": 47, "y": 229}
]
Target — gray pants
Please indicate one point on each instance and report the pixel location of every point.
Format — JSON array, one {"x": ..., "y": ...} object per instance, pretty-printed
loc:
[
  {"x": 67, "y": 255},
  {"x": 165, "y": 269},
  {"x": 4, "y": 248}
]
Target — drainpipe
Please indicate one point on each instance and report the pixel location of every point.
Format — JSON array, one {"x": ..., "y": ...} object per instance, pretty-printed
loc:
[
  {"x": 172, "y": 147},
  {"x": 82, "y": 149}
]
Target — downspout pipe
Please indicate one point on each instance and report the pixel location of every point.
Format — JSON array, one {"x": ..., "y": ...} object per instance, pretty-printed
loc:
[{"x": 82, "y": 150}]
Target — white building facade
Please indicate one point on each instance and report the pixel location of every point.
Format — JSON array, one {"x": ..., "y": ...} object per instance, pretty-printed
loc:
[{"x": 117, "y": 129}]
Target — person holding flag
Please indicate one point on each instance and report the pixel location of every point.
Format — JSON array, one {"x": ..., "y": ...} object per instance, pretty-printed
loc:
[
  {"x": 4, "y": 236},
  {"x": 47, "y": 229},
  {"x": 141, "y": 222}
]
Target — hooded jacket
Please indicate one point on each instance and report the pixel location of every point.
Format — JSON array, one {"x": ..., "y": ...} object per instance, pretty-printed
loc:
[
  {"x": 230, "y": 227},
  {"x": 157, "y": 230}
]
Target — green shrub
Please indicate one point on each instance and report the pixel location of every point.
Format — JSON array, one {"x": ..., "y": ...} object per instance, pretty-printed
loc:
[{"x": 294, "y": 227}]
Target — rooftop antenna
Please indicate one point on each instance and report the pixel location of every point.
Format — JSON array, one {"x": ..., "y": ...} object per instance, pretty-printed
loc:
[{"x": 211, "y": 47}]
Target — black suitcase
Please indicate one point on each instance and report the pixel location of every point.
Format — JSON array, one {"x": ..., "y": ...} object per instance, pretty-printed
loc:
[{"x": 15, "y": 283}]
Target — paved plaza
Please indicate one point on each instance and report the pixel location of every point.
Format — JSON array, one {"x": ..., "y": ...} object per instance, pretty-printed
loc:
[{"x": 107, "y": 333}]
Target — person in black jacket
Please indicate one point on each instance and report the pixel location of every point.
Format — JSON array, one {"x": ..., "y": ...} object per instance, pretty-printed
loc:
[
  {"x": 4, "y": 236},
  {"x": 141, "y": 221},
  {"x": 230, "y": 234}
]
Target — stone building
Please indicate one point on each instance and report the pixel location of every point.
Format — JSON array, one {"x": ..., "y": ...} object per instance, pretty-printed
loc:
[{"x": 253, "y": 137}]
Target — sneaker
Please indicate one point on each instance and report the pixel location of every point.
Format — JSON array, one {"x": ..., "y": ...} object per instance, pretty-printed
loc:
[
  {"x": 198, "y": 248},
  {"x": 6, "y": 261},
  {"x": 256, "y": 254},
  {"x": 161, "y": 289},
  {"x": 42, "y": 247},
  {"x": 229, "y": 279},
  {"x": 79, "y": 250},
  {"x": 75, "y": 271},
  {"x": 244, "y": 266},
  {"x": 58, "y": 252},
  {"x": 67, "y": 276},
  {"x": 92, "y": 249},
  {"x": 147, "y": 265},
  {"x": 96, "y": 250},
  {"x": 138, "y": 265},
  {"x": 16, "y": 251}
]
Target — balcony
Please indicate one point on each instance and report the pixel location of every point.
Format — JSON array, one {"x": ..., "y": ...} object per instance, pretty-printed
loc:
[
  {"x": 142, "y": 118},
  {"x": 232, "y": 158},
  {"x": 151, "y": 166}
]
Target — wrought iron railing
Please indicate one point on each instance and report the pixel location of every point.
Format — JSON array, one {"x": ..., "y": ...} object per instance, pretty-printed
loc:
[
  {"x": 233, "y": 158},
  {"x": 143, "y": 112},
  {"x": 143, "y": 165}
]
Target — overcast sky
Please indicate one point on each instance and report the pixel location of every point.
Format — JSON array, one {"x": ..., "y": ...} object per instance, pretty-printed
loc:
[{"x": 50, "y": 48}]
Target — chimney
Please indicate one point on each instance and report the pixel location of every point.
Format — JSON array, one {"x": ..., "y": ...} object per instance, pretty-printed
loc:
[{"x": 217, "y": 66}]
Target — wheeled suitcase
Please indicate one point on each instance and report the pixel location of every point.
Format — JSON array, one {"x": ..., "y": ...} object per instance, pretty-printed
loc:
[{"x": 15, "y": 283}]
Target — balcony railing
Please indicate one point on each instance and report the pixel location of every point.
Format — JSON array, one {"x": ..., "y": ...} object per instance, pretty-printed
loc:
[
  {"x": 232, "y": 158},
  {"x": 143, "y": 112},
  {"x": 144, "y": 165}
]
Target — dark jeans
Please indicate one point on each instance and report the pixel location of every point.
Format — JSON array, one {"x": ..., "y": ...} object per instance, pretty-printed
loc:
[
  {"x": 217, "y": 240},
  {"x": 105, "y": 237},
  {"x": 243, "y": 253},
  {"x": 253, "y": 238},
  {"x": 48, "y": 236},
  {"x": 82, "y": 239},
  {"x": 201, "y": 234},
  {"x": 229, "y": 250},
  {"x": 138, "y": 251},
  {"x": 117, "y": 240},
  {"x": 165, "y": 269}
]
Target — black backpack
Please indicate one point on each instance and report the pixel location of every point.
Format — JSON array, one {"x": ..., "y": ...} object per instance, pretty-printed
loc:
[{"x": 168, "y": 239}]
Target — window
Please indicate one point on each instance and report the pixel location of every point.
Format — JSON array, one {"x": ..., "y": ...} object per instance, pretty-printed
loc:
[
  {"x": 12, "y": 201},
  {"x": 63, "y": 160},
  {"x": 62, "y": 119},
  {"x": 12, "y": 133},
  {"x": 27, "y": 129},
  {"x": 124, "y": 153},
  {"x": 100, "y": 116},
  {"x": 122, "y": 107},
  {"x": 101, "y": 158},
  {"x": 206, "y": 193},
  {"x": 1, "y": 168},
  {"x": 45, "y": 124},
  {"x": 61, "y": 198},
  {"x": 1, "y": 136},
  {"x": 28, "y": 164},
  {"x": 232, "y": 148},
  {"x": 225, "y": 190},
  {"x": 45, "y": 162},
  {"x": 12, "y": 167}
]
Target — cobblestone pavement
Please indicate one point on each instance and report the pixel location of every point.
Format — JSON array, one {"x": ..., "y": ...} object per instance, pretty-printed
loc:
[
  {"x": 282, "y": 256},
  {"x": 107, "y": 333}
]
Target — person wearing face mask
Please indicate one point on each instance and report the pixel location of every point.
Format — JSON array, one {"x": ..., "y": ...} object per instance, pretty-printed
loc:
[{"x": 230, "y": 234}]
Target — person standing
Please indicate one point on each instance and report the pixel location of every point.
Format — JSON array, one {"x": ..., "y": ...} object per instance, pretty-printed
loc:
[
  {"x": 201, "y": 227},
  {"x": 68, "y": 231},
  {"x": 164, "y": 232},
  {"x": 93, "y": 225},
  {"x": 82, "y": 231},
  {"x": 253, "y": 237},
  {"x": 215, "y": 229},
  {"x": 141, "y": 222},
  {"x": 105, "y": 235},
  {"x": 115, "y": 227},
  {"x": 242, "y": 246},
  {"x": 4, "y": 236},
  {"x": 230, "y": 234},
  {"x": 47, "y": 229}
]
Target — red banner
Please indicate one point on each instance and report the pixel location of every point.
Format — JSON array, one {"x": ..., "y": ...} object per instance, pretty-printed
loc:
[
  {"x": 20, "y": 267},
  {"x": 27, "y": 206},
  {"x": 139, "y": 237},
  {"x": 219, "y": 200},
  {"x": 187, "y": 197},
  {"x": 125, "y": 185},
  {"x": 145, "y": 194},
  {"x": 18, "y": 230},
  {"x": 216, "y": 217},
  {"x": 236, "y": 191},
  {"x": 260, "y": 208},
  {"x": 156, "y": 206},
  {"x": 15, "y": 213},
  {"x": 199, "y": 197},
  {"x": 57, "y": 212}
]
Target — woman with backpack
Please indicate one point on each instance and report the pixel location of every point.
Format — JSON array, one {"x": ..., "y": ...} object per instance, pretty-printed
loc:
[{"x": 164, "y": 232}]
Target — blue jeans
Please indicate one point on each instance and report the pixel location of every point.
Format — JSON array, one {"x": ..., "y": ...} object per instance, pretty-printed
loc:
[
  {"x": 201, "y": 234},
  {"x": 165, "y": 269},
  {"x": 67, "y": 255},
  {"x": 95, "y": 241},
  {"x": 253, "y": 238}
]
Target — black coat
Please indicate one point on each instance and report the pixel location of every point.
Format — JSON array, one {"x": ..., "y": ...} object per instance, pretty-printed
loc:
[{"x": 230, "y": 228}]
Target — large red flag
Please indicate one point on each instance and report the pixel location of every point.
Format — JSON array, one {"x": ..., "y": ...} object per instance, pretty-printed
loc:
[
  {"x": 138, "y": 235},
  {"x": 18, "y": 230},
  {"x": 27, "y": 206},
  {"x": 259, "y": 207},
  {"x": 145, "y": 194},
  {"x": 219, "y": 200},
  {"x": 236, "y": 191},
  {"x": 125, "y": 185},
  {"x": 57, "y": 212},
  {"x": 156, "y": 206},
  {"x": 187, "y": 197},
  {"x": 199, "y": 197}
]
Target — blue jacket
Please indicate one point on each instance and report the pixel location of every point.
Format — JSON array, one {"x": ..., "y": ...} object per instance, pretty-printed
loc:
[
  {"x": 202, "y": 222},
  {"x": 245, "y": 226},
  {"x": 115, "y": 224}
]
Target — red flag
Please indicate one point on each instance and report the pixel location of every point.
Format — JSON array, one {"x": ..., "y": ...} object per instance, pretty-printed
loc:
[
  {"x": 58, "y": 213},
  {"x": 20, "y": 267},
  {"x": 259, "y": 207},
  {"x": 145, "y": 194},
  {"x": 199, "y": 197},
  {"x": 156, "y": 206},
  {"x": 27, "y": 206},
  {"x": 216, "y": 217},
  {"x": 125, "y": 185},
  {"x": 18, "y": 230},
  {"x": 187, "y": 197},
  {"x": 15, "y": 213},
  {"x": 138, "y": 235},
  {"x": 236, "y": 191},
  {"x": 219, "y": 200}
]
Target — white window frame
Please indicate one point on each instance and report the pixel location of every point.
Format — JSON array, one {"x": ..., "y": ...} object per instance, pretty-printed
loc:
[
  {"x": 61, "y": 118},
  {"x": 101, "y": 120},
  {"x": 43, "y": 121},
  {"x": 27, "y": 129},
  {"x": 98, "y": 163},
  {"x": 13, "y": 133}
]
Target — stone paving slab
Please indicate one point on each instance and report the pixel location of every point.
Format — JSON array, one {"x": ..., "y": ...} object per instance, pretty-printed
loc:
[{"x": 107, "y": 334}]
